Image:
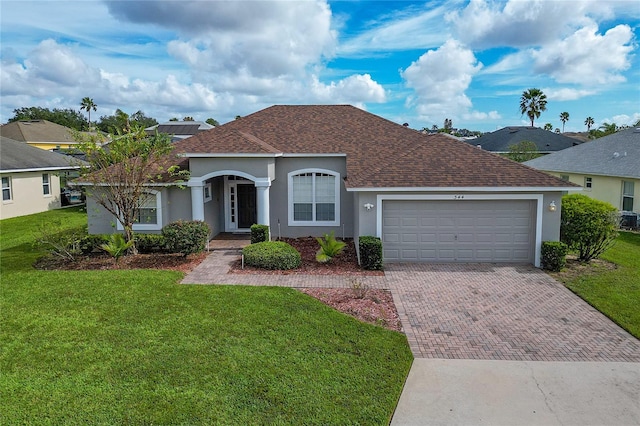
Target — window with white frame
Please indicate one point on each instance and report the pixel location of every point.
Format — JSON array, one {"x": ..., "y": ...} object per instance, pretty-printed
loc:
[
  {"x": 314, "y": 198},
  {"x": 6, "y": 188},
  {"x": 627, "y": 195},
  {"x": 46, "y": 184},
  {"x": 207, "y": 192},
  {"x": 149, "y": 213},
  {"x": 588, "y": 182}
]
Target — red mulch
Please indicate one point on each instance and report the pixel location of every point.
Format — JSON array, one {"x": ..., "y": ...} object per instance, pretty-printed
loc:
[{"x": 346, "y": 263}]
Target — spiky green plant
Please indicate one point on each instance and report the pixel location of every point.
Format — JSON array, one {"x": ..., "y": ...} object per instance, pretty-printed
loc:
[
  {"x": 117, "y": 246},
  {"x": 329, "y": 247}
]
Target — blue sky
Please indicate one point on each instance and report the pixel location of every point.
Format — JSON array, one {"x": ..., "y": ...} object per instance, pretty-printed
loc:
[{"x": 413, "y": 62}]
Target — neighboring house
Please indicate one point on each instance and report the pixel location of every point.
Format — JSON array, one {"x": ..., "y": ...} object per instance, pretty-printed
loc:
[
  {"x": 547, "y": 142},
  {"x": 30, "y": 178},
  {"x": 309, "y": 170},
  {"x": 179, "y": 130},
  {"x": 608, "y": 168},
  {"x": 42, "y": 134}
]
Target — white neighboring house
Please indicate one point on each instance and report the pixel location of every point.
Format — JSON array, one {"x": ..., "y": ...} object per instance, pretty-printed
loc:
[{"x": 30, "y": 178}]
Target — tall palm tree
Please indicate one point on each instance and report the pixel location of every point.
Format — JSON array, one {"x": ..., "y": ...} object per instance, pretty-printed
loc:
[
  {"x": 589, "y": 122},
  {"x": 87, "y": 104},
  {"x": 532, "y": 103},
  {"x": 564, "y": 117}
]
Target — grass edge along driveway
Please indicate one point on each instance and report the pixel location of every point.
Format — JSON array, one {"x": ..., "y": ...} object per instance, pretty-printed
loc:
[{"x": 113, "y": 347}]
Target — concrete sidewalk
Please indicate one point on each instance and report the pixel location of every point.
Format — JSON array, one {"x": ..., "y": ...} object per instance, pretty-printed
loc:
[{"x": 488, "y": 392}]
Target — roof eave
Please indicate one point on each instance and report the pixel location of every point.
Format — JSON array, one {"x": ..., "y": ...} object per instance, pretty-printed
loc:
[{"x": 468, "y": 189}]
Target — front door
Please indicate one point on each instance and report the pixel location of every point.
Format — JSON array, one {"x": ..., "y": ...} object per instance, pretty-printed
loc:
[{"x": 246, "y": 205}]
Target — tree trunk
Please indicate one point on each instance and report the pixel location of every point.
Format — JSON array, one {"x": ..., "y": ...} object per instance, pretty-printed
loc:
[{"x": 128, "y": 236}]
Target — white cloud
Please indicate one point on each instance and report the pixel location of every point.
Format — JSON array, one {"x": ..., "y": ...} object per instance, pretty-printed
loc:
[
  {"x": 355, "y": 88},
  {"x": 440, "y": 78},
  {"x": 567, "y": 94},
  {"x": 624, "y": 119},
  {"x": 482, "y": 116},
  {"x": 586, "y": 57}
]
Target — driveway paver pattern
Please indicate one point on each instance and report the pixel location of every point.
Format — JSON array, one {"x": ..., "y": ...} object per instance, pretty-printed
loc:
[{"x": 470, "y": 311}]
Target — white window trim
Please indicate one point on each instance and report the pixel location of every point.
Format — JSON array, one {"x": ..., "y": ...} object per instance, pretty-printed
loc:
[
  {"x": 207, "y": 190},
  {"x": 10, "y": 187},
  {"x": 631, "y": 196},
  {"x": 148, "y": 226},
  {"x": 589, "y": 181},
  {"x": 48, "y": 184},
  {"x": 292, "y": 222}
]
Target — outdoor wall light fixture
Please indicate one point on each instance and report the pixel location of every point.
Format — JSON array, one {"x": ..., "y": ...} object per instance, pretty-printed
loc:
[
  {"x": 552, "y": 206},
  {"x": 368, "y": 206}
]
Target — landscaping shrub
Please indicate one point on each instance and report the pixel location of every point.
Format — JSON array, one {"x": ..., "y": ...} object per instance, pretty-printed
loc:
[
  {"x": 59, "y": 242},
  {"x": 554, "y": 255},
  {"x": 370, "y": 252},
  {"x": 150, "y": 243},
  {"x": 117, "y": 246},
  {"x": 259, "y": 233},
  {"x": 588, "y": 226},
  {"x": 272, "y": 255},
  {"x": 329, "y": 247},
  {"x": 186, "y": 237},
  {"x": 92, "y": 242}
]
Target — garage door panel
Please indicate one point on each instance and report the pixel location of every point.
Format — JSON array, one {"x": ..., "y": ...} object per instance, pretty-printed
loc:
[{"x": 464, "y": 231}]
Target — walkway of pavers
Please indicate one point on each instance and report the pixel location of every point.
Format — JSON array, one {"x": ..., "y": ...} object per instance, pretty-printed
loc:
[{"x": 477, "y": 311}]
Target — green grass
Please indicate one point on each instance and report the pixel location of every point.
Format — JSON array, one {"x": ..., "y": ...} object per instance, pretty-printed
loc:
[
  {"x": 134, "y": 347},
  {"x": 616, "y": 293}
]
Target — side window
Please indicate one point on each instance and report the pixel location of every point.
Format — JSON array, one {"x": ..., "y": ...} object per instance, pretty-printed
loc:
[
  {"x": 46, "y": 184},
  {"x": 314, "y": 198},
  {"x": 6, "y": 189},
  {"x": 588, "y": 182},
  {"x": 627, "y": 195}
]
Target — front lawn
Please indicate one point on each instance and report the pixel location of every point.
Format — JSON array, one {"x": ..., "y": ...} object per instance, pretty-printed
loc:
[
  {"x": 114, "y": 347},
  {"x": 615, "y": 292}
]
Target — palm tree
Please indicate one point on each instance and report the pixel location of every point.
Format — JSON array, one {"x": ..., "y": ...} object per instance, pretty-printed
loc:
[
  {"x": 87, "y": 104},
  {"x": 532, "y": 103},
  {"x": 564, "y": 117},
  {"x": 548, "y": 126},
  {"x": 589, "y": 122}
]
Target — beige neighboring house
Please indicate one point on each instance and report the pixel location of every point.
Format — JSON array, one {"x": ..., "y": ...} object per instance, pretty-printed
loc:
[
  {"x": 608, "y": 168},
  {"x": 30, "y": 178},
  {"x": 42, "y": 134}
]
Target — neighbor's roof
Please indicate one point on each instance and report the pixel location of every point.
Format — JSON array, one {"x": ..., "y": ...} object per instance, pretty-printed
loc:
[
  {"x": 615, "y": 155},
  {"x": 37, "y": 131},
  {"x": 379, "y": 153},
  {"x": 546, "y": 141},
  {"x": 18, "y": 156}
]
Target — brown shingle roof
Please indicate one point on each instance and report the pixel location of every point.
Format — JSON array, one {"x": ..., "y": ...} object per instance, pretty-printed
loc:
[
  {"x": 379, "y": 153},
  {"x": 37, "y": 131}
]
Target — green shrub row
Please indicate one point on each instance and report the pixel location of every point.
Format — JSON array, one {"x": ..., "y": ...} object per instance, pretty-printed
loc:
[
  {"x": 554, "y": 255},
  {"x": 150, "y": 243},
  {"x": 272, "y": 255},
  {"x": 186, "y": 236},
  {"x": 370, "y": 252},
  {"x": 259, "y": 233}
]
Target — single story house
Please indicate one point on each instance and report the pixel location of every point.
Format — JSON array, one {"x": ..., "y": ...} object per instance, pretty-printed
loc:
[
  {"x": 179, "y": 129},
  {"x": 42, "y": 134},
  {"x": 30, "y": 178},
  {"x": 546, "y": 142},
  {"x": 608, "y": 168},
  {"x": 307, "y": 170}
]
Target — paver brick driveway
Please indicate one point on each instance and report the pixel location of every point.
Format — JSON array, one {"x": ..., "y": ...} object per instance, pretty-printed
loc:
[{"x": 472, "y": 311}]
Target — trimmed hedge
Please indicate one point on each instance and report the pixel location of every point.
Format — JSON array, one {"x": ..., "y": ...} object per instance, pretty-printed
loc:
[
  {"x": 370, "y": 252},
  {"x": 186, "y": 236},
  {"x": 259, "y": 233},
  {"x": 150, "y": 243},
  {"x": 272, "y": 255},
  {"x": 554, "y": 255}
]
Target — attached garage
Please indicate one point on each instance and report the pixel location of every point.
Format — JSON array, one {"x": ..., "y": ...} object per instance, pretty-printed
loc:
[{"x": 501, "y": 231}]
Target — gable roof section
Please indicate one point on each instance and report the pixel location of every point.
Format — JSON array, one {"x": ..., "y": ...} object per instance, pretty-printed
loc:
[
  {"x": 37, "y": 131},
  {"x": 613, "y": 155},
  {"x": 380, "y": 153},
  {"x": 18, "y": 156},
  {"x": 546, "y": 141}
]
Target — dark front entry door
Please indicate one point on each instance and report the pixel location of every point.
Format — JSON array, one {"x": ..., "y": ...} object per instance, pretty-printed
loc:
[{"x": 246, "y": 205}]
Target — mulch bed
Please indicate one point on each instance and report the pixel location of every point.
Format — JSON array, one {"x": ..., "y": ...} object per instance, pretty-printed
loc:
[
  {"x": 346, "y": 263},
  {"x": 175, "y": 262}
]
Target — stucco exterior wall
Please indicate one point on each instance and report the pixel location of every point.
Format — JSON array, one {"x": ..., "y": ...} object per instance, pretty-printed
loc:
[
  {"x": 257, "y": 167},
  {"x": 279, "y": 204},
  {"x": 605, "y": 188},
  {"x": 27, "y": 194}
]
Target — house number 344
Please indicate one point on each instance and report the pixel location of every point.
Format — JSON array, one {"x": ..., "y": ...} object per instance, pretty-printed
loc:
[{"x": 458, "y": 197}]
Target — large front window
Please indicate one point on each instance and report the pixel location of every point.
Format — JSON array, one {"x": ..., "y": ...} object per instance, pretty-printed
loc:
[
  {"x": 314, "y": 198},
  {"x": 149, "y": 214},
  {"x": 627, "y": 195}
]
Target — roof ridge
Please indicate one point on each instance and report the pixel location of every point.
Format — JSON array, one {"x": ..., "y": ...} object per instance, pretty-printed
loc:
[{"x": 262, "y": 144}]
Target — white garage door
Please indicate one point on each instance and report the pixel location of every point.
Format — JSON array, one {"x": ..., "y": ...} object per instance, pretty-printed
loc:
[{"x": 458, "y": 231}]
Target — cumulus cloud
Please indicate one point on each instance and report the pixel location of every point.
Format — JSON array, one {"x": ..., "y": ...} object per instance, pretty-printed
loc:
[
  {"x": 587, "y": 57},
  {"x": 481, "y": 116},
  {"x": 567, "y": 94},
  {"x": 440, "y": 78}
]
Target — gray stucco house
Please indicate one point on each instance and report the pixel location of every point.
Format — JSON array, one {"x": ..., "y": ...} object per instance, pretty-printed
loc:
[{"x": 309, "y": 170}]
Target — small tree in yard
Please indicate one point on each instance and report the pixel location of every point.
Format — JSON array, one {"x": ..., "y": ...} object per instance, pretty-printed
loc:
[
  {"x": 523, "y": 151},
  {"x": 588, "y": 226},
  {"x": 118, "y": 174}
]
